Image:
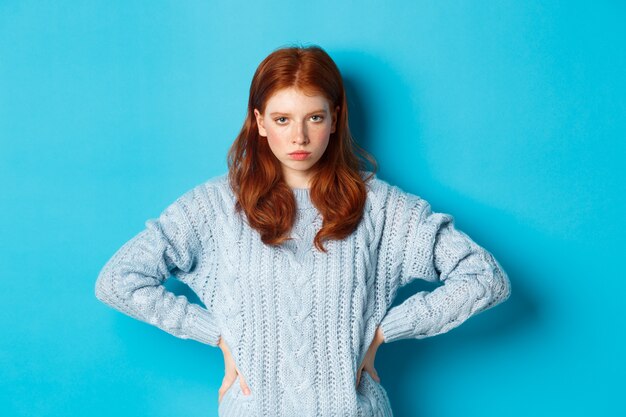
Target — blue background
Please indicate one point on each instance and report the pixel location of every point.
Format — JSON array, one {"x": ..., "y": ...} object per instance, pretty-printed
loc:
[{"x": 510, "y": 115}]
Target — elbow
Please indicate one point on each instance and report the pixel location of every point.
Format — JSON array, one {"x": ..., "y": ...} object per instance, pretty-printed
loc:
[
  {"x": 493, "y": 283},
  {"x": 103, "y": 287},
  {"x": 507, "y": 286},
  {"x": 500, "y": 283},
  {"x": 99, "y": 291},
  {"x": 503, "y": 287}
]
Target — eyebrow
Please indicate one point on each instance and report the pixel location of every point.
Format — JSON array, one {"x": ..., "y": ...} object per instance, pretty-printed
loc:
[{"x": 276, "y": 113}]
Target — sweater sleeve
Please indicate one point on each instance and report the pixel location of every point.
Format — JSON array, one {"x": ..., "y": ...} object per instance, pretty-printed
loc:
[
  {"x": 132, "y": 280},
  {"x": 432, "y": 248}
]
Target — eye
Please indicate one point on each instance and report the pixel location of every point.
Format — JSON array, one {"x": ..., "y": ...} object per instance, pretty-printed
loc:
[
  {"x": 280, "y": 120},
  {"x": 317, "y": 118}
]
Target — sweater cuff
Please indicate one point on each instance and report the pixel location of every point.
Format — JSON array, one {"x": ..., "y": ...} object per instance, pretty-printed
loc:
[
  {"x": 201, "y": 326},
  {"x": 397, "y": 324}
]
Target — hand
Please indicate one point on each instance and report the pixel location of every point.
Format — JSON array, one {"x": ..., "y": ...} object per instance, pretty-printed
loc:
[
  {"x": 370, "y": 356},
  {"x": 230, "y": 372}
]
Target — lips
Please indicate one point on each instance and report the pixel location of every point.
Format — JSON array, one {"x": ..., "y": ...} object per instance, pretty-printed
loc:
[{"x": 299, "y": 155}]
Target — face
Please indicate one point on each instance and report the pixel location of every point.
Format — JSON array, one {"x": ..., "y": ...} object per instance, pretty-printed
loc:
[{"x": 296, "y": 122}]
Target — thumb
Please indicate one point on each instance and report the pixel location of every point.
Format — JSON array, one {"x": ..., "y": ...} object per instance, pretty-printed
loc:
[
  {"x": 374, "y": 375},
  {"x": 244, "y": 385}
]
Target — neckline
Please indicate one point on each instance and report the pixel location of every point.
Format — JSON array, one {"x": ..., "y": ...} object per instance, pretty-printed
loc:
[{"x": 303, "y": 197}]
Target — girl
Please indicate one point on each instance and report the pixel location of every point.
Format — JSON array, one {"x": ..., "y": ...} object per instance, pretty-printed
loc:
[{"x": 297, "y": 253}]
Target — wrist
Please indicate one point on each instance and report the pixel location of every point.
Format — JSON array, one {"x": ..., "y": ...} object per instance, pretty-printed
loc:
[{"x": 379, "y": 337}]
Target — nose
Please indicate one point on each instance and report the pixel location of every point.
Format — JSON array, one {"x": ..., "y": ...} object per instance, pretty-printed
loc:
[{"x": 300, "y": 135}]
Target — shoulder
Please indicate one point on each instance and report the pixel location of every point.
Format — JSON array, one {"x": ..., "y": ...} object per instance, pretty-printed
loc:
[
  {"x": 211, "y": 187},
  {"x": 211, "y": 192},
  {"x": 380, "y": 189},
  {"x": 389, "y": 198}
]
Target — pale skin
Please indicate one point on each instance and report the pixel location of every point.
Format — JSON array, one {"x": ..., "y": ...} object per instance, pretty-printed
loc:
[{"x": 295, "y": 121}]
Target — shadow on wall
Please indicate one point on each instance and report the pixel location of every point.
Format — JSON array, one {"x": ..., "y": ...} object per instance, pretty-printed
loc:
[
  {"x": 381, "y": 112},
  {"x": 370, "y": 102},
  {"x": 381, "y": 109},
  {"x": 483, "y": 331}
]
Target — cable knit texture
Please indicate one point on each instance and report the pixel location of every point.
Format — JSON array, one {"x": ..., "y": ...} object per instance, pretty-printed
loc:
[{"x": 298, "y": 321}]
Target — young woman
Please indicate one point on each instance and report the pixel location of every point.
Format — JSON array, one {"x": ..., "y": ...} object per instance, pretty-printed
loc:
[{"x": 297, "y": 253}]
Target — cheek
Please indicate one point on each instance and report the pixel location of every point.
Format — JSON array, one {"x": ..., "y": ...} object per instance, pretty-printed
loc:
[
  {"x": 324, "y": 144},
  {"x": 275, "y": 133},
  {"x": 275, "y": 139},
  {"x": 321, "y": 134}
]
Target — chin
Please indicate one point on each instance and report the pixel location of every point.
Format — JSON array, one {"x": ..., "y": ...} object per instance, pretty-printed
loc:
[{"x": 299, "y": 167}]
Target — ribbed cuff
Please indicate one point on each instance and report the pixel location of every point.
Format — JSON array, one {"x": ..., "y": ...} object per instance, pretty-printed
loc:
[
  {"x": 201, "y": 326},
  {"x": 397, "y": 324}
]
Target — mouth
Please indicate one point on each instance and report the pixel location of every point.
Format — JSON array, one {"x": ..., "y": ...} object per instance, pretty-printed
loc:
[{"x": 299, "y": 155}]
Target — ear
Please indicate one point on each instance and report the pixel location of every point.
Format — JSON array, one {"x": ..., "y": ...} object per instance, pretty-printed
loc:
[
  {"x": 259, "y": 123},
  {"x": 334, "y": 125}
]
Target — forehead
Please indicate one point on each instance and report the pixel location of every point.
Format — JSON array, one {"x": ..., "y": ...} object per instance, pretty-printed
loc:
[{"x": 294, "y": 100}]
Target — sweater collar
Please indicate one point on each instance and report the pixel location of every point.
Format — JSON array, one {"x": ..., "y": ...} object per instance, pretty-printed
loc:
[{"x": 303, "y": 197}]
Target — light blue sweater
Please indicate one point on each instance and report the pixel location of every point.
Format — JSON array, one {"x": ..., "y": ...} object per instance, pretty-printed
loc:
[{"x": 297, "y": 321}]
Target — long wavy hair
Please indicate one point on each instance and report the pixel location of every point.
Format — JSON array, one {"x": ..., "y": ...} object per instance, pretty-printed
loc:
[{"x": 338, "y": 187}]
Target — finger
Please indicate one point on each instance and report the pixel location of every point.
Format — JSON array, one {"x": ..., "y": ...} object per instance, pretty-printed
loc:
[
  {"x": 221, "y": 393},
  {"x": 227, "y": 382},
  {"x": 358, "y": 377},
  {"x": 244, "y": 385},
  {"x": 374, "y": 374},
  {"x": 229, "y": 378}
]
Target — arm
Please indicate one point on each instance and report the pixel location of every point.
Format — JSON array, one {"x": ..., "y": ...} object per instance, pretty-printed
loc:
[
  {"x": 132, "y": 280},
  {"x": 434, "y": 250}
]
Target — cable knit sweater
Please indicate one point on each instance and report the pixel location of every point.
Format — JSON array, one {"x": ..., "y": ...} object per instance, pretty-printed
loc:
[{"x": 298, "y": 321}]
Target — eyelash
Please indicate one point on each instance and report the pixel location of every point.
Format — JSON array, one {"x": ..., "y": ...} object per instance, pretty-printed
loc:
[{"x": 277, "y": 120}]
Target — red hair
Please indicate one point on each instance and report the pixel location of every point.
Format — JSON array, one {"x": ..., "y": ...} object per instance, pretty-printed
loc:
[{"x": 337, "y": 188}]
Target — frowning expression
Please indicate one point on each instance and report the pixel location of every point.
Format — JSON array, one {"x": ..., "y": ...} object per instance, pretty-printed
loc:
[{"x": 294, "y": 121}]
